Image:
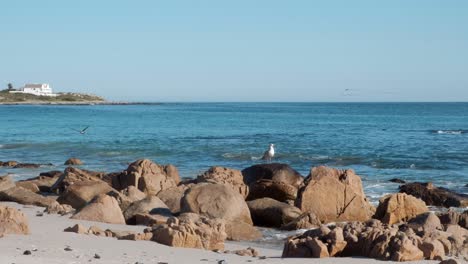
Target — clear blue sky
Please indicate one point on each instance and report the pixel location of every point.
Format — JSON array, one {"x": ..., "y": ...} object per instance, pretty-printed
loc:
[{"x": 148, "y": 50}]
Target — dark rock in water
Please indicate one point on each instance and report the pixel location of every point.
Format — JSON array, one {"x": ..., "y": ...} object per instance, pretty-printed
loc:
[
  {"x": 274, "y": 171},
  {"x": 396, "y": 180},
  {"x": 433, "y": 195},
  {"x": 26, "y": 166},
  {"x": 51, "y": 174},
  {"x": 271, "y": 213}
]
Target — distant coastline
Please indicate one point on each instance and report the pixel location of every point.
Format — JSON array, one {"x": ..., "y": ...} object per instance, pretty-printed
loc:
[{"x": 77, "y": 103}]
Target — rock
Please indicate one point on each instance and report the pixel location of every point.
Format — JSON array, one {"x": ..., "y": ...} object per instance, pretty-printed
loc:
[
  {"x": 279, "y": 191},
  {"x": 26, "y": 166},
  {"x": 103, "y": 208},
  {"x": 241, "y": 231},
  {"x": 334, "y": 195},
  {"x": 454, "y": 218},
  {"x": 10, "y": 163},
  {"x": 149, "y": 219},
  {"x": 24, "y": 196},
  {"x": 272, "y": 213},
  {"x": 248, "y": 252},
  {"x": 78, "y": 228},
  {"x": 273, "y": 171},
  {"x": 12, "y": 221},
  {"x": 147, "y": 176},
  {"x": 51, "y": 174},
  {"x": 73, "y": 161},
  {"x": 425, "y": 223},
  {"x": 27, "y": 252},
  {"x": 97, "y": 256},
  {"x": 449, "y": 261},
  {"x": 191, "y": 231},
  {"x": 149, "y": 205},
  {"x": 370, "y": 239},
  {"x": 82, "y": 192},
  {"x": 127, "y": 196},
  {"x": 396, "y": 180},
  {"x": 6, "y": 183},
  {"x": 29, "y": 186},
  {"x": 304, "y": 221},
  {"x": 61, "y": 209},
  {"x": 399, "y": 207},
  {"x": 433, "y": 195},
  {"x": 68, "y": 248},
  {"x": 216, "y": 201},
  {"x": 73, "y": 175},
  {"x": 231, "y": 177},
  {"x": 432, "y": 249},
  {"x": 44, "y": 183},
  {"x": 172, "y": 197}
]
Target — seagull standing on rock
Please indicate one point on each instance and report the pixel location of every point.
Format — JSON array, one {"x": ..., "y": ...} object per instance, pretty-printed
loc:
[{"x": 269, "y": 154}]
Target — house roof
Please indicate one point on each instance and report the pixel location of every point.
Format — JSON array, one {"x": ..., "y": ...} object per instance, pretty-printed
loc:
[{"x": 33, "y": 85}]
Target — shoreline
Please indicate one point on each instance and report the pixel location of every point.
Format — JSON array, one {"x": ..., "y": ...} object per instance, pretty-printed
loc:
[{"x": 78, "y": 103}]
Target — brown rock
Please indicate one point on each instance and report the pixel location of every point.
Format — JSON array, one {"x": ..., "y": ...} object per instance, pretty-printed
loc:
[
  {"x": 148, "y": 177},
  {"x": 272, "y": 213},
  {"x": 172, "y": 197},
  {"x": 73, "y": 175},
  {"x": 10, "y": 163},
  {"x": 454, "y": 218},
  {"x": 149, "y": 205},
  {"x": 432, "y": 249},
  {"x": 24, "y": 196},
  {"x": 268, "y": 188},
  {"x": 149, "y": 219},
  {"x": 61, "y": 209},
  {"x": 78, "y": 228},
  {"x": 216, "y": 201},
  {"x": 449, "y": 261},
  {"x": 248, "y": 252},
  {"x": 406, "y": 250},
  {"x": 51, "y": 174},
  {"x": 203, "y": 233},
  {"x": 231, "y": 177},
  {"x": 304, "y": 221},
  {"x": 334, "y": 195},
  {"x": 433, "y": 195},
  {"x": 425, "y": 223},
  {"x": 73, "y": 161},
  {"x": 29, "y": 186},
  {"x": 6, "y": 183},
  {"x": 44, "y": 183},
  {"x": 104, "y": 209},
  {"x": 82, "y": 192},
  {"x": 273, "y": 171},
  {"x": 241, "y": 231},
  {"x": 12, "y": 221},
  {"x": 127, "y": 196},
  {"x": 399, "y": 207}
]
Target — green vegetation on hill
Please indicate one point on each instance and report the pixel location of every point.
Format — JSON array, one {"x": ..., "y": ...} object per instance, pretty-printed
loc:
[{"x": 7, "y": 97}]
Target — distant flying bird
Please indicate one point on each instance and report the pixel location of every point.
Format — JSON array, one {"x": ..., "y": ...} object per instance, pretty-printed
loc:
[
  {"x": 269, "y": 154},
  {"x": 83, "y": 131}
]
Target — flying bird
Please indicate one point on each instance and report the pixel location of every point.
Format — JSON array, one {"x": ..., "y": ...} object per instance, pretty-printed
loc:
[
  {"x": 269, "y": 154},
  {"x": 83, "y": 131}
]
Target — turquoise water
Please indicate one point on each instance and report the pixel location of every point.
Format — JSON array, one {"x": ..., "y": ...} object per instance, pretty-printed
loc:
[{"x": 412, "y": 141}]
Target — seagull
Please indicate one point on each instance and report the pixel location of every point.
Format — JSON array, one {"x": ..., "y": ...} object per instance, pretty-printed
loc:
[
  {"x": 269, "y": 154},
  {"x": 83, "y": 131}
]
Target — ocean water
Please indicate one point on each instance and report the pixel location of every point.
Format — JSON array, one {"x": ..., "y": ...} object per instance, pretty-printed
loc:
[{"x": 380, "y": 141}]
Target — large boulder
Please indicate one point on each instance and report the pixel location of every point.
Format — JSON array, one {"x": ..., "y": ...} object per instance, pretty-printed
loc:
[
  {"x": 242, "y": 231},
  {"x": 73, "y": 175},
  {"x": 172, "y": 197},
  {"x": 6, "y": 182},
  {"x": 127, "y": 196},
  {"x": 230, "y": 177},
  {"x": 334, "y": 195},
  {"x": 304, "y": 221},
  {"x": 149, "y": 205},
  {"x": 79, "y": 194},
  {"x": 395, "y": 208},
  {"x": 28, "y": 185},
  {"x": 103, "y": 208},
  {"x": 147, "y": 176},
  {"x": 44, "y": 181},
  {"x": 25, "y": 196},
  {"x": 455, "y": 218},
  {"x": 433, "y": 195},
  {"x": 272, "y": 213},
  {"x": 279, "y": 191},
  {"x": 12, "y": 221},
  {"x": 425, "y": 223},
  {"x": 73, "y": 161},
  {"x": 191, "y": 231},
  {"x": 273, "y": 171},
  {"x": 216, "y": 201}
]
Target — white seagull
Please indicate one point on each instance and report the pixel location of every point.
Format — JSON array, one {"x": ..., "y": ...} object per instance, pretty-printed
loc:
[{"x": 269, "y": 154}]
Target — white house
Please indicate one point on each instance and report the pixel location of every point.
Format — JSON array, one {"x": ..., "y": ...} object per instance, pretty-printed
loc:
[{"x": 41, "y": 89}]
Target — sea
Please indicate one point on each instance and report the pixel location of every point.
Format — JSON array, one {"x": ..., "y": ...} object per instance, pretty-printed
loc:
[{"x": 380, "y": 141}]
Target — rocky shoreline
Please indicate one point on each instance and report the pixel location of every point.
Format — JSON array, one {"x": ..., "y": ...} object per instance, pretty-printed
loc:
[
  {"x": 77, "y": 103},
  {"x": 224, "y": 204}
]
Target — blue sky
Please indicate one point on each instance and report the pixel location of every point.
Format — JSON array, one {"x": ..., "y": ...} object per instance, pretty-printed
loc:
[{"x": 148, "y": 50}]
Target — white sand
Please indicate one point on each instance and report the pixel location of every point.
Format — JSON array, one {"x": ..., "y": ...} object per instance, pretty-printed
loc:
[{"x": 48, "y": 238}]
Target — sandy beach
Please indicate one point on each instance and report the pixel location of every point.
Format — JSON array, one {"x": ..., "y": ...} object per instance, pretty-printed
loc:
[{"x": 47, "y": 242}]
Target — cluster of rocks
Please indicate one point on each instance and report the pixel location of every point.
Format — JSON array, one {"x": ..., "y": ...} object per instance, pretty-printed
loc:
[
  {"x": 224, "y": 203},
  {"x": 18, "y": 165}
]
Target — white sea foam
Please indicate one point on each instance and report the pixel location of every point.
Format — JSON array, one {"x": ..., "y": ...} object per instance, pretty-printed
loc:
[{"x": 451, "y": 132}]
